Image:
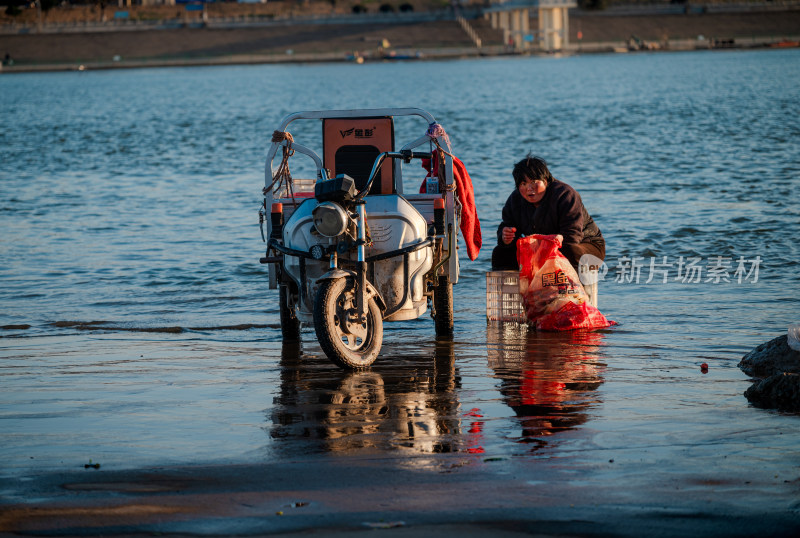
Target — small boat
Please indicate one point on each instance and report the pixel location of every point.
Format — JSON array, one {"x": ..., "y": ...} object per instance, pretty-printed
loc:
[{"x": 786, "y": 44}]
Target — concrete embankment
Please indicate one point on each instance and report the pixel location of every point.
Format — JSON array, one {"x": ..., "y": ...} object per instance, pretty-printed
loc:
[{"x": 434, "y": 36}]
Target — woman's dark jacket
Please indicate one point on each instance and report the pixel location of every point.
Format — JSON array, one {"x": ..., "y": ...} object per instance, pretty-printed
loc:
[{"x": 561, "y": 211}]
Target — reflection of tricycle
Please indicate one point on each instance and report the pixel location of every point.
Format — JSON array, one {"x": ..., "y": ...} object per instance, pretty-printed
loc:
[
  {"x": 413, "y": 407},
  {"x": 349, "y": 248}
]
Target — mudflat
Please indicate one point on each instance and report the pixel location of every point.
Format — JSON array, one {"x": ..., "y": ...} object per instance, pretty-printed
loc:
[{"x": 469, "y": 495}]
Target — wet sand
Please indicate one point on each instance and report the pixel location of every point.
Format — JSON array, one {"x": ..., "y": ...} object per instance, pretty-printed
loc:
[
  {"x": 455, "y": 494},
  {"x": 337, "y": 479}
]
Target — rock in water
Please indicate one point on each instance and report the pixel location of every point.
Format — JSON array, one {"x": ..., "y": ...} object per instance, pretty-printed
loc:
[
  {"x": 779, "y": 391},
  {"x": 771, "y": 358},
  {"x": 778, "y": 366}
]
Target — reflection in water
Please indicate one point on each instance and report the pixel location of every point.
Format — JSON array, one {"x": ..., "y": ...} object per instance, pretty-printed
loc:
[
  {"x": 548, "y": 379},
  {"x": 409, "y": 402}
]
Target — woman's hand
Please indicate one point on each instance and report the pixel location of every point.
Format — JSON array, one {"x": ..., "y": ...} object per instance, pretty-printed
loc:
[{"x": 508, "y": 234}]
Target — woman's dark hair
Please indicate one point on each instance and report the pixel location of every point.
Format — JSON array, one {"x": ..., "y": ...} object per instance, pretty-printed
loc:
[{"x": 532, "y": 168}]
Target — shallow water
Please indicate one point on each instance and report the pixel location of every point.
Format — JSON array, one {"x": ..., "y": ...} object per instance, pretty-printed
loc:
[{"x": 139, "y": 329}]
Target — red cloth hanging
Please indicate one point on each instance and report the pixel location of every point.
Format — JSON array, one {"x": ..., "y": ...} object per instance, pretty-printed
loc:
[{"x": 470, "y": 225}]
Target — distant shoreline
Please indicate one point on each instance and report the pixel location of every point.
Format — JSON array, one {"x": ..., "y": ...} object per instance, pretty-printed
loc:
[
  {"x": 411, "y": 40},
  {"x": 588, "y": 48}
]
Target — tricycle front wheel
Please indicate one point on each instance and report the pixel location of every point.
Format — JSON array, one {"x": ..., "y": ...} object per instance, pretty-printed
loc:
[{"x": 346, "y": 341}]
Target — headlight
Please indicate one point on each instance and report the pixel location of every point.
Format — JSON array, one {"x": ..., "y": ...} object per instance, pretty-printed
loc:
[{"x": 330, "y": 219}]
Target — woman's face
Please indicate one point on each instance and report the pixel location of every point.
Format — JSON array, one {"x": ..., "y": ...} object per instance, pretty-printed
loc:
[{"x": 533, "y": 190}]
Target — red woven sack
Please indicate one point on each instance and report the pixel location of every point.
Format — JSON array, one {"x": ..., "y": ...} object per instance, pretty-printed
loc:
[{"x": 552, "y": 293}]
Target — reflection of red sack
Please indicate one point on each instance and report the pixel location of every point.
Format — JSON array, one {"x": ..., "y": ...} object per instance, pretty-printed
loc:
[{"x": 552, "y": 294}]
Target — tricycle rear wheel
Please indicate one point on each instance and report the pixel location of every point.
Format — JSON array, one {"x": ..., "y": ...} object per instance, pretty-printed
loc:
[
  {"x": 443, "y": 306},
  {"x": 345, "y": 340}
]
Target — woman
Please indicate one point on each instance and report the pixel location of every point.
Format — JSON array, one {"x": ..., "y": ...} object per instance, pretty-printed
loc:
[{"x": 544, "y": 205}]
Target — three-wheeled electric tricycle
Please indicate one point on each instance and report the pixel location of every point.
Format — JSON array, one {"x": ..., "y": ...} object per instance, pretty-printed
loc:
[{"x": 361, "y": 243}]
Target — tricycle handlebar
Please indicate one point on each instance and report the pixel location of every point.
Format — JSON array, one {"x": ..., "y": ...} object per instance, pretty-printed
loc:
[{"x": 404, "y": 154}]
